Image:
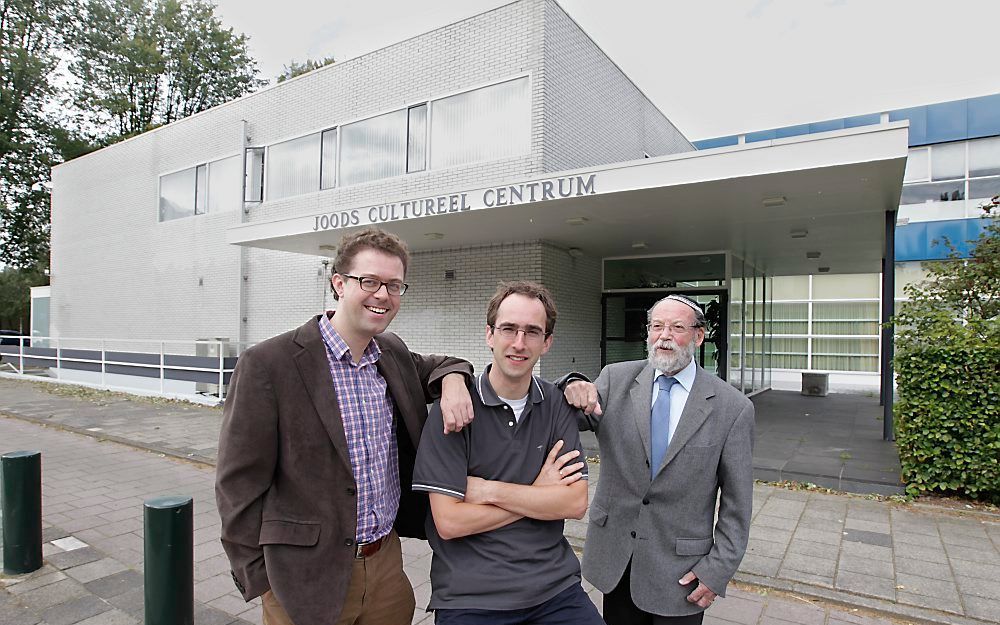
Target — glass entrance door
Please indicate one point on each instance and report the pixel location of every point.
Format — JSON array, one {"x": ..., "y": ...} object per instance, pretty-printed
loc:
[{"x": 623, "y": 326}]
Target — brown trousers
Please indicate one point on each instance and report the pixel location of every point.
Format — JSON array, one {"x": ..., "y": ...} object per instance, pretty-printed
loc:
[{"x": 379, "y": 592}]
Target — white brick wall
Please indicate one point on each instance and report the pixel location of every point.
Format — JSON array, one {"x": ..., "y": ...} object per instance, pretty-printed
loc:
[
  {"x": 117, "y": 272},
  {"x": 594, "y": 114}
]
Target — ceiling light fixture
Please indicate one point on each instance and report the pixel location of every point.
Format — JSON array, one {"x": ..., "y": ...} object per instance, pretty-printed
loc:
[
  {"x": 326, "y": 247},
  {"x": 639, "y": 245},
  {"x": 434, "y": 236},
  {"x": 800, "y": 233},
  {"x": 577, "y": 221},
  {"x": 574, "y": 252},
  {"x": 812, "y": 255},
  {"x": 824, "y": 270},
  {"x": 771, "y": 202}
]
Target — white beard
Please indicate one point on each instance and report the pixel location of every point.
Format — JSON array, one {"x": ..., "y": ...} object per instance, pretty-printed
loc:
[{"x": 672, "y": 361}]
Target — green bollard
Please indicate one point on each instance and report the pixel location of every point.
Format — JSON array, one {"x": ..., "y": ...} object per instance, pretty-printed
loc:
[
  {"x": 22, "y": 511},
  {"x": 169, "y": 560}
]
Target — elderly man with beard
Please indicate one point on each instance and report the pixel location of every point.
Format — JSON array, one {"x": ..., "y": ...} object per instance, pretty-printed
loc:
[{"x": 674, "y": 439}]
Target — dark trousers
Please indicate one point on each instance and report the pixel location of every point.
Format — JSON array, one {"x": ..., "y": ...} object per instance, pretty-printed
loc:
[
  {"x": 620, "y": 610},
  {"x": 570, "y": 607}
]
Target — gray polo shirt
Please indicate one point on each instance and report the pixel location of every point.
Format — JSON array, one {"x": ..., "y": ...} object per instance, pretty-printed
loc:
[{"x": 521, "y": 564}]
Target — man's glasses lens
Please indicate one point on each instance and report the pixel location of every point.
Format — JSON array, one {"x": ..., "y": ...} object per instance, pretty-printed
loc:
[
  {"x": 676, "y": 328},
  {"x": 530, "y": 334},
  {"x": 372, "y": 285}
]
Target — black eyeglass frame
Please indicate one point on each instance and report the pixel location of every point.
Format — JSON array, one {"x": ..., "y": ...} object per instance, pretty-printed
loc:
[
  {"x": 361, "y": 283},
  {"x": 516, "y": 329}
]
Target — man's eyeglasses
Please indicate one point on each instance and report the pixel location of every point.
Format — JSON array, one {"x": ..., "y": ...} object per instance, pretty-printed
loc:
[
  {"x": 372, "y": 285},
  {"x": 509, "y": 333},
  {"x": 677, "y": 329}
]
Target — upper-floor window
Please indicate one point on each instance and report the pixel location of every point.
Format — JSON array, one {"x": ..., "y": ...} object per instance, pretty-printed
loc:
[
  {"x": 210, "y": 187},
  {"x": 484, "y": 124},
  {"x": 293, "y": 167},
  {"x": 488, "y": 123},
  {"x": 940, "y": 178}
]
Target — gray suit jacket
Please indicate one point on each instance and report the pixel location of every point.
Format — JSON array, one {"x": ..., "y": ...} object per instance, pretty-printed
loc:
[{"x": 666, "y": 525}]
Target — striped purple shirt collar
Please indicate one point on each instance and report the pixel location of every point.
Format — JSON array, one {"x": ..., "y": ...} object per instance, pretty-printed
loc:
[{"x": 338, "y": 347}]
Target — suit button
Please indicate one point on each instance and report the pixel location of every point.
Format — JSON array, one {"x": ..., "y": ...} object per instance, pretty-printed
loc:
[
  {"x": 351, "y": 491},
  {"x": 349, "y": 542},
  {"x": 632, "y": 534},
  {"x": 645, "y": 501}
]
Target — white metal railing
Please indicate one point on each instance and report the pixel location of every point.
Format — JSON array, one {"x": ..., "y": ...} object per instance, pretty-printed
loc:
[{"x": 195, "y": 370}]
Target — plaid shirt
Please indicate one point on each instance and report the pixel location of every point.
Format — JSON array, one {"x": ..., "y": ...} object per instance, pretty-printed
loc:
[{"x": 367, "y": 411}]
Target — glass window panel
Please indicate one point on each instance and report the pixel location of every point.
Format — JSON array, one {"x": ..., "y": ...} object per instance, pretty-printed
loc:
[
  {"x": 177, "y": 194},
  {"x": 824, "y": 362},
  {"x": 253, "y": 187},
  {"x": 664, "y": 271},
  {"x": 916, "y": 165},
  {"x": 416, "y": 148},
  {"x": 846, "y": 286},
  {"x": 40, "y": 316},
  {"x": 984, "y": 157},
  {"x": 373, "y": 148},
  {"x": 932, "y": 211},
  {"x": 790, "y": 287},
  {"x": 947, "y": 121},
  {"x": 484, "y": 124},
  {"x": 224, "y": 187},
  {"x": 948, "y": 161},
  {"x": 328, "y": 175},
  {"x": 201, "y": 190},
  {"x": 933, "y": 192},
  {"x": 983, "y": 188},
  {"x": 293, "y": 167}
]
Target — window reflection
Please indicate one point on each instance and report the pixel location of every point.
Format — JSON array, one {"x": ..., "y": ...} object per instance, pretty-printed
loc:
[
  {"x": 948, "y": 161},
  {"x": 416, "y": 155},
  {"x": 933, "y": 192},
  {"x": 488, "y": 123},
  {"x": 177, "y": 195},
  {"x": 373, "y": 148},
  {"x": 916, "y": 165},
  {"x": 984, "y": 157},
  {"x": 328, "y": 173},
  {"x": 224, "y": 187},
  {"x": 293, "y": 167}
]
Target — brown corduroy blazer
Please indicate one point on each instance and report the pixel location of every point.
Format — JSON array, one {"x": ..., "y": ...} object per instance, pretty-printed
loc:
[{"x": 284, "y": 485}]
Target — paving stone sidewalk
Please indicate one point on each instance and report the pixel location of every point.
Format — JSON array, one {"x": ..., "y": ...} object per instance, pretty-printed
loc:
[{"x": 916, "y": 562}]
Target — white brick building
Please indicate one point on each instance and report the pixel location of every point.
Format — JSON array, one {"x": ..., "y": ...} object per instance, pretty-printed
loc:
[{"x": 538, "y": 158}]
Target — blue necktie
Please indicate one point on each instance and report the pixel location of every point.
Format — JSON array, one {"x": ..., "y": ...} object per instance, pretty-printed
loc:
[{"x": 659, "y": 424}]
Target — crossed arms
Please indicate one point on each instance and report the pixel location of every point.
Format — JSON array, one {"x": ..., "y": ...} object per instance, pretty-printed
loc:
[{"x": 558, "y": 492}]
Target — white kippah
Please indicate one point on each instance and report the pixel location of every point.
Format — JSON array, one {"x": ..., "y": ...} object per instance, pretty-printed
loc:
[{"x": 684, "y": 300}]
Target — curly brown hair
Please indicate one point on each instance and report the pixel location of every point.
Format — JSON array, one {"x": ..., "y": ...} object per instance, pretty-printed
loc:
[
  {"x": 368, "y": 238},
  {"x": 528, "y": 289}
]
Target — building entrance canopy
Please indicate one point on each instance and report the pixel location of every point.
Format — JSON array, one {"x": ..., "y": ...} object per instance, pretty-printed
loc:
[{"x": 775, "y": 203}]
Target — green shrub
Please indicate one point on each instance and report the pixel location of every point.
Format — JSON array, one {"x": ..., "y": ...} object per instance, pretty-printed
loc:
[{"x": 948, "y": 367}]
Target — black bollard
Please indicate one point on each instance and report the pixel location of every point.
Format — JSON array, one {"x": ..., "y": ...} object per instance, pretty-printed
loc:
[
  {"x": 22, "y": 511},
  {"x": 169, "y": 560}
]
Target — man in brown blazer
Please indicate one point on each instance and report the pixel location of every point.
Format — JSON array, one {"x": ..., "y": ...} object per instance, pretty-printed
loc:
[{"x": 316, "y": 453}]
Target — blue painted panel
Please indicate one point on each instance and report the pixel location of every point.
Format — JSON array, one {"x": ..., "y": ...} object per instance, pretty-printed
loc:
[
  {"x": 918, "y": 122},
  {"x": 947, "y": 121},
  {"x": 791, "y": 131},
  {"x": 863, "y": 120},
  {"x": 761, "y": 135},
  {"x": 984, "y": 116},
  {"x": 833, "y": 124},
  {"x": 916, "y": 241},
  {"x": 707, "y": 144},
  {"x": 954, "y": 230},
  {"x": 911, "y": 241}
]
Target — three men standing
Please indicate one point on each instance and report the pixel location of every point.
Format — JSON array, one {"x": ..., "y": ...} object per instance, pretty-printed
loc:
[{"x": 316, "y": 453}]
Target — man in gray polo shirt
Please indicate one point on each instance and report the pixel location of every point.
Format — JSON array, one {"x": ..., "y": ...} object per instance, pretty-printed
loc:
[{"x": 499, "y": 488}]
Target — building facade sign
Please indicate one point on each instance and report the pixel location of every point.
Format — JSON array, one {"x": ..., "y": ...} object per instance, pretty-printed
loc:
[{"x": 505, "y": 195}]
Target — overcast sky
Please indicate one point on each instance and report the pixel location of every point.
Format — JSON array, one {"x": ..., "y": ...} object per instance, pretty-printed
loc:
[{"x": 713, "y": 67}]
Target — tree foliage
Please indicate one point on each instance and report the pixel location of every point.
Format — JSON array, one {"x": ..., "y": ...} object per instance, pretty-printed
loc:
[
  {"x": 15, "y": 297},
  {"x": 948, "y": 365},
  {"x": 32, "y": 34},
  {"x": 144, "y": 63},
  {"x": 297, "y": 69}
]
